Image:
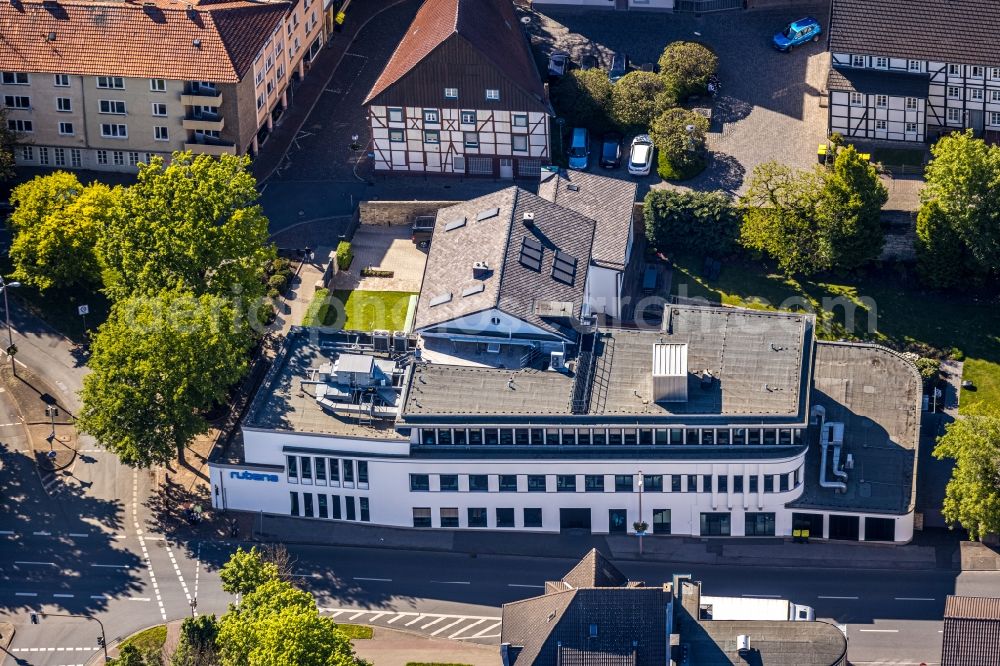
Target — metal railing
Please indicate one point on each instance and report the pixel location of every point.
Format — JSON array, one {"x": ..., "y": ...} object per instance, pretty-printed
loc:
[{"x": 700, "y": 6}]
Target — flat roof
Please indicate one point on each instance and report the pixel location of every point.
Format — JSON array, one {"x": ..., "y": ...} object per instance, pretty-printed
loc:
[
  {"x": 758, "y": 363},
  {"x": 876, "y": 394},
  {"x": 286, "y": 399},
  {"x": 773, "y": 642}
]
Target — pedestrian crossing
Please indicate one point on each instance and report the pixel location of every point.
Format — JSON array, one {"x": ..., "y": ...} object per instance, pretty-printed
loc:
[{"x": 478, "y": 628}]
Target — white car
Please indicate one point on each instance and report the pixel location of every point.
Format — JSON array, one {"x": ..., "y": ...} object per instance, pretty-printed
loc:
[
  {"x": 558, "y": 61},
  {"x": 640, "y": 160}
]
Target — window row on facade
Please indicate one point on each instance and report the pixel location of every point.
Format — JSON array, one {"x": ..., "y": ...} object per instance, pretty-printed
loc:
[
  {"x": 322, "y": 471},
  {"x": 321, "y": 505},
  {"x": 397, "y": 114},
  {"x": 518, "y": 142},
  {"x": 73, "y": 157},
  {"x": 600, "y": 483},
  {"x": 103, "y": 82},
  {"x": 610, "y": 436},
  {"x": 111, "y": 107},
  {"x": 918, "y": 66},
  {"x": 66, "y": 128}
]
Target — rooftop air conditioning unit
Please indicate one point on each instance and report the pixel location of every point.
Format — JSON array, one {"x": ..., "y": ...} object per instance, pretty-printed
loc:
[
  {"x": 529, "y": 219},
  {"x": 557, "y": 361},
  {"x": 480, "y": 269},
  {"x": 743, "y": 644}
]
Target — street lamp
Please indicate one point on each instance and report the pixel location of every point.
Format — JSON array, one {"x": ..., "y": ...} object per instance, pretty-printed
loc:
[
  {"x": 102, "y": 640},
  {"x": 11, "y": 349}
]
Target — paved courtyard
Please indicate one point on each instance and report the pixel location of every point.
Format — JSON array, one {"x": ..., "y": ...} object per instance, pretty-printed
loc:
[
  {"x": 770, "y": 102},
  {"x": 388, "y": 248}
]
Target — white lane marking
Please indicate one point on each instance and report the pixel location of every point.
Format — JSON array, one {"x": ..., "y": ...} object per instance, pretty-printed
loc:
[
  {"x": 41, "y": 564},
  {"x": 377, "y": 580},
  {"x": 63, "y": 596},
  {"x": 447, "y": 626},
  {"x": 197, "y": 571},
  {"x": 177, "y": 570},
  {"x": 914, "y": 599},
  {"x": 880, "y": 631},
  {"x": 489, "y": 628},
  {"x": 415, "y": 620},
  {"x": 338, "y": 613},
  {"x": 112, "y": 566},
  {"x": 376, "y": 616},
  {"x": 53, "y": 649},
  {"x": 79, "y": 535},
  {"x": 466, "y": 628},
  {"x": 452, "y": 582},
  {"x": 142, "y": 544},
  {"x": 357, "y": 615},
  {"x": 308, "y": 575},
  {"x": 432, "y": 623},
  {"x": 25, "y": 594},
  {"x": 822, "y": 597},
  {"x": 398, "y": 617},
  {"x": 762, "y": 596},
  {"x": 525, "y": 585},
  {"x": 137, "y": 599},
  {"x": 7, "y": 532},
  {"x": 42, "y": 533}
]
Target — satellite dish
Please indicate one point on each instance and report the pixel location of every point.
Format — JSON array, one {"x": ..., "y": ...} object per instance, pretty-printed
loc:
[{"x": 526, "y": 20}]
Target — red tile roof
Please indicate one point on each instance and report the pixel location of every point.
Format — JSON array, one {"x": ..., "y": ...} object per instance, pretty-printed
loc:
[{"x": 210, "y": 42}]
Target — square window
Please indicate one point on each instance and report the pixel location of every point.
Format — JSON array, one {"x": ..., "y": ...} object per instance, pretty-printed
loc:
[
  {"x": 881, "y": 101},
  {"x": 881, "y": 62},
  {"x": 27, "y": 153},
  {"x": 623, "y": 483},
  {"x": 652, "y": 483},
  {"x": 449, "y": 516},
  {"x": 505, "y": 517},
  {"x": 880, "y": 125},
  {"x": 66, "y": 129},
  {"x": 492, "y": 94},
  {"x": 661, "y": 521},
  {"x": 913, "y": 65},
  {"x": 420, "y": 482},
  {"x": 566, "y": 483},
  {"x": 955, "y": 70},
  {"x": 954, "y": 92},
  {"x": 61, "y": 80},
  {"x": 857, "y": 61},
  {"x": 157, "y": 85},
  {"x": 118, "y": 157},
  {"x": 995, "y": 72},
  {"x": 519, "y": 143},
  {"x": 857, "y": 99},
  {"x": 955, "y": 115},
  {"x": 593, "y": 483},
  {"x": 715, "y": 524},
  {"x": 471, "y": 139},
  {"x": 533, "y": 517},
  {"x": 994, "y": 118},
  {"x": 468, "y": 117},
  {"x": 395, "y": 115},
  {"x": 160, "y": 133},
  {"x": 451, "y": 93},
  {"x": 976, "y": 94},
  {"x": 396, "y": 136},
  {"x": 995, "y": 95},
  {"x": 477, "y": 517},
  {"x": 536, "y": 483},
  {"x": 759, "y": 524},
  {"x": 64, "y": 104},
  {"x": 911, "y": 103},
  {"x": 520, "y": 120},
  {"x": 449, "y": 483},
  {"x": 421, "y": 516},
  {"x": 102, "y": 159},
  {"x": 976, "y": 72},
  {"x": 432, "y": 136},
  {"x": 479, "y": 483},
  {"x": 431, "y": 116},
  {"x": 159, "y": 109},
  {"x": 508, "y": 483}
]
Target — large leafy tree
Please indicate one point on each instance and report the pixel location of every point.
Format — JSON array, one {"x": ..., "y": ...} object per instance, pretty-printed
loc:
[
  {"x": 853, "y": 200},
  {"x": 9, "y": 140},
  {"x": 960, "y": 212},
  {"x": 193, "y": 225},
  {"x": 583, "y": 97},
  {"x": 972, "y": 498},
  {"x": 157, "y": 363},
  {"x": 679, "y": 135},
  {"x": 55, "y": 224},
  {"x": 636, "y": 99},
  {"x": 782, "y": 218},
  {"x": 686, "y": 68},
  {"x": 247, "y": 570},
  {"x": 706, "y": 222},
  {"x": 197, "y": 644}
]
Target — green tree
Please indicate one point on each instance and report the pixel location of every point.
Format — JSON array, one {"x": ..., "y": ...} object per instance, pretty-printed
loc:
[
  {"x": 583, "y": 98},
  {"x": 960, "y": 202},
  {"x": 156, "y": 364},
  {"x": 197, "y": 643},
  {"x": 782, "y": 218},
  {"x": 705, "y": 222},
  {"x": 972, "y": 498},
  {"x": 679, "y": 135},
  {"x": 130, "y": 655},
  {"x": 637, "y": 98},
  {"x": 247, "y": 570},
  {"x": 686, "y": 68},
  {"x": 853, "y": 200},
  {"x": 9, "y": 140},
  {"x": 55, "y": 224},
  {"x": 193, "y": 225}
]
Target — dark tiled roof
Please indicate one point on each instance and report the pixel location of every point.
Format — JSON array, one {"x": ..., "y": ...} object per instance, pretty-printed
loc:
[
  {"x": 487, "y": 26},
  {"x": 971, "y": 632},
  {"x": 608, "y": 201},
  {"x": 955, "y": 31},
  {"x": 594, "y": 570},
  {"x": 497, "y": 240},
  {"x": 156, "y": 40},
  {"x": 874, "y": 82}
]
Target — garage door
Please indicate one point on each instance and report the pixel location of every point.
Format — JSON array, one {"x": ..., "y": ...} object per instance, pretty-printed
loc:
[
  {"x": 480, "y": 166},
  {"x": 574, "y": 519}
]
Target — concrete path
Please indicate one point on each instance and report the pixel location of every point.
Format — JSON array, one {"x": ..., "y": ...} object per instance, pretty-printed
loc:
[{"x": 397, "y": 648}]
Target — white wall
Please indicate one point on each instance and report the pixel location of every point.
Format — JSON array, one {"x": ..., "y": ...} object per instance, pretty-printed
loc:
[{"x": 490, "y": 323}]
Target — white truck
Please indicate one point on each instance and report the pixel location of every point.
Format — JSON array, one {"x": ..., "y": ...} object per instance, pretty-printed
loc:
[{"x": 754, "y": 608}]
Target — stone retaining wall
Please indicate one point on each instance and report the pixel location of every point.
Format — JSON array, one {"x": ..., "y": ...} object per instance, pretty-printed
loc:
[{"x": 386, "y": 213}]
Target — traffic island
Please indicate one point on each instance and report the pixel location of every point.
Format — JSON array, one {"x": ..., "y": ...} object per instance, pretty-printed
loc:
[{"x": 49, "y": 424}]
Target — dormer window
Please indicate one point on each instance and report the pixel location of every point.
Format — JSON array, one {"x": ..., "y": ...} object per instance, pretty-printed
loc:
[
  {"x": 857, "y": 61},
  {"x": 954, "y": 70},
  {"x": 881, "y": 62},
  {"x": 451, "y": 93},
  {"x": 492, "y": 94},
  {"x": 913, "y": 65}
]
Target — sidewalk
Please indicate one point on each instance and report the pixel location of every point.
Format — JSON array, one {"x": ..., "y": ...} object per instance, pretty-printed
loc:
[
  {"x": 929, "y": 551},
  {"x": 305, "y": 96}
]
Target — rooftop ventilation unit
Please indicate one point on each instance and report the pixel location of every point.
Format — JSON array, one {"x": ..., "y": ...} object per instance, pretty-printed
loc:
[
  {"x": 670, "y": 372},
  {"x": 529, "y": 219},
  {"x": 480, "y": 270},
  {"x": 197, "y": 43},
  {"x": 743, "y": 644},
  {"x": 554, "y": 309},
  {"x": 573, "y": 187},
  {"x": 707, "y": 378},
  {"x": 557, "y": 361}
]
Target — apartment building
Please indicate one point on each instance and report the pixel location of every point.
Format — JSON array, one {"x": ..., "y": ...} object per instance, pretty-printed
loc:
[
  {"x": 107, "y": 85},
  {"x": 461, "y": 95},
  {"x": 912, "y": 70}
]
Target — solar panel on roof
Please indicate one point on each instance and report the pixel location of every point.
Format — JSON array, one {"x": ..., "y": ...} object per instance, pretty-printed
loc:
[
  {"x": 531, "y": 253},
  {"x": 487, "y": 214},
  {"x": 474, "y": 289},
  {"x": 455, "y": 224},
  {"x": 441, "y": 299},
  {"x": 564, "y": 267}
]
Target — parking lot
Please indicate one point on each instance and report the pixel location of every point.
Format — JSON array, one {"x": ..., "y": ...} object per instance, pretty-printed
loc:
[{"x": 769, "y": 107}]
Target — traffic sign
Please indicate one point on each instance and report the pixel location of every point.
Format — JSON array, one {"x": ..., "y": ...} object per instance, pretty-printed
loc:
[{"x": 83, "y": 310}]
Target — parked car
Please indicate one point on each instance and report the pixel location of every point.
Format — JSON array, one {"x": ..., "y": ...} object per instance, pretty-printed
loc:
[
  {"x": 797, "y": 33},
  {"x": 579, "y": 149},
  {"x": 640, "y": 161},
  {"x": 422, "y": 229},
  {"x": 611, "y": 150},
  {"x": 558, "y": 62},
  {"x": 619, "y": 66}
]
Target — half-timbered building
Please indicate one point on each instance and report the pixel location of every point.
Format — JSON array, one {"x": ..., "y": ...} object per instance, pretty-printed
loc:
[
  {"x": 461, "y": 95},
  {"x": 912, "y": 70}
]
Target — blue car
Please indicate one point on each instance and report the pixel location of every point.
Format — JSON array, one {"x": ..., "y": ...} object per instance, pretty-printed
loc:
[{"x": 797, "y": 33}]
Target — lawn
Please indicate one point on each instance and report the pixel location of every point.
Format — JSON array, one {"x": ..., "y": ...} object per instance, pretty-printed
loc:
[
  {"x": 359, "y": 310},
  {"x": 149, "y": 640},
  {"x": 886, "y": 306},
  {"x": 356, "y": 631}
]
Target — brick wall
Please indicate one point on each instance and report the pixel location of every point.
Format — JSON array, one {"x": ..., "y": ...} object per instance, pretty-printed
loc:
[{"x": 385, "y": 213}]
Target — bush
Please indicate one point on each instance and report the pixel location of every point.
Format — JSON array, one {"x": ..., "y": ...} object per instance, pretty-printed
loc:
[
  {"x": 278, "y": 281},
  {"x": 345, "y": 255},
  {"x": 376, "y": 273},
  {"x": 703, "y": 222},
  {"x": 682, "y": 151},
  {"x": 686, "y": 68},
  {"x": 930, "y": 370},
  {"x": 637, "y": 98},
  {"x": 583, "y": 98}
]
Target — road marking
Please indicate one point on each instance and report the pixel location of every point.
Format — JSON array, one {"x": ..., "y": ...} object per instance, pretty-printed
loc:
[
  {"x": 762, "y": 596},
  {"x": 79, "y": 535},
  {"x": 376, "y": 580},
  {"x": 7, "y": 532},
  {"x": 489, "y": 628},
  {"x": 25, "y": 594},
  {"x": 452, "y": 582},
  {"x": 307, "y": 575},
  {"x": 447, "y": 626},
  {"x": 63, "y": 596},
  {"x": 42, "y": 533},
  {"x": 41, "y": 564},
  {"x": 112, "y": 566},
  {"x": 822, "y": 597},
  {"x": 137, "y": 599},
  {"x": 915, "y": 599},
  {"x": 415, "y": 620},
  {"x": 880, "y": 631},
  {"x": 398, "y": 617},
  {"x": 180, "y": 576},
  {"x": 432, "y": 623},
  {"x": 466, "y": 628},
  {"x": 54, "y": 649},
  {"x": 142, "y": 544},
  {"x": 525, "y": 585},
  {"x": 377, "y": 616},
  {"x": 197, "y": 571},
  {"x": 357, "y": 615}
]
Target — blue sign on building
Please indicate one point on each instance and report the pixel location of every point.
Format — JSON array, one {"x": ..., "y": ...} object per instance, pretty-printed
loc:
[{"x": 253, "y": 476}]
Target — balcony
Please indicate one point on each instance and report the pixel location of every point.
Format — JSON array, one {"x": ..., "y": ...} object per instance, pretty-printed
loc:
[
  {"x": 204, "y": 121},
  {"x": 203, "y": 97},
  {"x": 208, "y": 146}
]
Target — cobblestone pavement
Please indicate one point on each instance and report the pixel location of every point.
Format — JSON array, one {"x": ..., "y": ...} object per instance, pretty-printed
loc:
[{"x": 769, "y": 106}]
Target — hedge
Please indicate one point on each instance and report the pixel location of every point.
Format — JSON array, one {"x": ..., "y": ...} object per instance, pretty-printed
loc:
[{"x": 345, "y": 255}]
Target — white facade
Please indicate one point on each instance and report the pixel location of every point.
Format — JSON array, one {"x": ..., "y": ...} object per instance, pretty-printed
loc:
[
  {"x": 472, "y": 141},
  {"x": 958, "y": 97}
]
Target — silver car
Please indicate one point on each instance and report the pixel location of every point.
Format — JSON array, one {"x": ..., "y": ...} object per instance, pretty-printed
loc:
[{"x": 640, "y": 160}]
